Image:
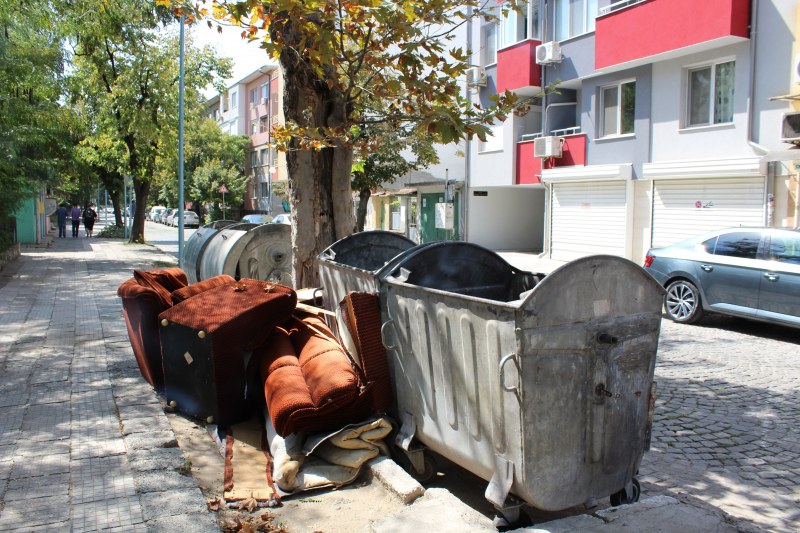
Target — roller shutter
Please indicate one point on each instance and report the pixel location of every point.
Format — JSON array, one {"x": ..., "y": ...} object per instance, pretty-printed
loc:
[
  {"x": 587, "y": 219},
  {"x": 685, "y": 208}
]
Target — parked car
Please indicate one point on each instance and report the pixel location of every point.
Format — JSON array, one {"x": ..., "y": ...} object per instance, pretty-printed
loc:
[
  {"x": 746, "y": 272},
  {"x": 151, "y": 215},
  {"x": 167, "y": 219},
  {"x": 283, "y": 218},
  {"x": 190, "y": 219},
  {"x": 256, "y": 218}
]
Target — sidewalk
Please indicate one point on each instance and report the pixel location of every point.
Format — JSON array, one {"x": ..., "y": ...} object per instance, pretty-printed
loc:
[{"x": 85, "y": 446}]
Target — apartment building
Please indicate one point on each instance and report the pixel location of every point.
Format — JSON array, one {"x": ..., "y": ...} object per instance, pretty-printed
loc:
[
  {"x": 668, "y": 120},
  {"x": 252, "y": 106}
]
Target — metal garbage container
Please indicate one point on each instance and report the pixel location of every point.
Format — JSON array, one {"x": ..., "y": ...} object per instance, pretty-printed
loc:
[
  {"x": 542, "y": 385},
  {"x": 352, "y": 263},
  {"x": 258, "y": 251},
  {"x": 196, "y": 245}
]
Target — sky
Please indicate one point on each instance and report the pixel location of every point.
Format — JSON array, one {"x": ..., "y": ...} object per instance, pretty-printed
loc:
[{"x": 247, "y": 56}]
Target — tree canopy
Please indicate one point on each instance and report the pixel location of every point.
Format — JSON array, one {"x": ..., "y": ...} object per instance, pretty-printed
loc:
[{"x": 338, "y": 57}]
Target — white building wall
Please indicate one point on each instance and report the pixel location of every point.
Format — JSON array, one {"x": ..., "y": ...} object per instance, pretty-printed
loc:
[
  {"x": 670, "y": 140},
  {"x": 507, "y": 218}
]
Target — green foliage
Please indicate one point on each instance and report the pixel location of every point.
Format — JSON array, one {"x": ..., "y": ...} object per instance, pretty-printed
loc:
[
  {"x": 34, "y": 128},
  {"x": 112, "y": 231},
  {"x": 125, "y": 82}
]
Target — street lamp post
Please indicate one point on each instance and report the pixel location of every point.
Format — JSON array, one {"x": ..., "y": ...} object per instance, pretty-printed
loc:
[{"x": 180, "y": 148}]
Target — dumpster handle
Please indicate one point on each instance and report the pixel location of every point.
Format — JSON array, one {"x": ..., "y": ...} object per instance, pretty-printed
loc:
[
  {"x": 383, "y": 335},
  {"x": 502, "y": 365}
]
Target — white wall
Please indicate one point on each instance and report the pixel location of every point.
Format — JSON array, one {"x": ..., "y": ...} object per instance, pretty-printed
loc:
[
  {"x": 672, "y": 143},
  {"x": 507, "y": 218}
]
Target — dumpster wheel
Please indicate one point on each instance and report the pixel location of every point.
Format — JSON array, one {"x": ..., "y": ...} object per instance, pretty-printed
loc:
[
  {"x": 427, "y": 472},
  {"x": 622, "y": 497}
]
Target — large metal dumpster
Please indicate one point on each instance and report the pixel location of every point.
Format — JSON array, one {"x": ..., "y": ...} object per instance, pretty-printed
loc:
[
  {"x": 352, "y": 263},
  {"x": 258, "y": 251},
  {"x": 196, "y": 245},
  {"x": 542, "y": 386}
]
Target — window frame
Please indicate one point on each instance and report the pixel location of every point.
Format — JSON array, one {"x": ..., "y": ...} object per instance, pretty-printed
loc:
[
  {"x": 588, "y": 23},
  {"x": 601, "y": 114},
  {"x": 711, "y": 95}
]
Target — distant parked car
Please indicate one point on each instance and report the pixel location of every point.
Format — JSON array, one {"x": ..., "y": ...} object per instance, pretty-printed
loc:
[
  {"x": 170, "y": 215},
  {"x": 746, "y": 272},
  {"x": 283, "y": 218},
  {"x": 256, "y": 218},
  {"x": 190, "y": 219},
  {"x": 151, "y": 215}
]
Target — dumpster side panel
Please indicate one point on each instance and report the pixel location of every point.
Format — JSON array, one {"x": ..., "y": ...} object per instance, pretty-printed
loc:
[
  {"x": 446, "y": 358},
  {"x": 338, "y": 279},
  {"x": 590, "y": 335},
  {"x": 222, "y": 253},
  {"x": 268, "y": 254},
  {"x": 194, "y": 249}
]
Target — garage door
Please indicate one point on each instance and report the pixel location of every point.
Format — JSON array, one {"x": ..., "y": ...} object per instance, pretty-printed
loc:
[
  {"x": 587, "y": 218},
  {"x": 684, "y": 208}
]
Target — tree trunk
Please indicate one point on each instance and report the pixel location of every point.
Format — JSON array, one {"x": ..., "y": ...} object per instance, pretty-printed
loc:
[
  {"x": 319, "y": 180},
  {"x": 141, "y": 189},
  {"x": 361, "y": 213}
]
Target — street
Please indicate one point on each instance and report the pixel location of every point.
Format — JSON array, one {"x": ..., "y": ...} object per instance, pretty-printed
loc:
[{"x": 726, "y": 425}]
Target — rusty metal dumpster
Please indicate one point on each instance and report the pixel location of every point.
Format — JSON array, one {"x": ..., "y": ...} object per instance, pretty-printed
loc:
[
  {"x": 352, "y": 263},
  {"x": 257, "y": 251},
  {"x": 541, "y": 385},
  {"x": 196, "y": 245}
]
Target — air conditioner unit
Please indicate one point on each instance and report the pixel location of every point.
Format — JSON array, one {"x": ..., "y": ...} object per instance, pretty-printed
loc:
[
  {"x": 790, "y": 127},
  {"x": 265, "y": 100},
  {"x": 548, "y": 52},
  {"x": 476, "y": 77},
  {"x": 547, "y": 146}
]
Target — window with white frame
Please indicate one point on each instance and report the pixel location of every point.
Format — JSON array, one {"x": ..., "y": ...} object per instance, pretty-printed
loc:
[
  {"x": 710, "y": 94},
  {"x": 574, "y": 17},
  {"x": 489, "y": 43},
  {"x": 513, "y": 27},
  {"x": 617, "y": 109},
  {"x": 253, "y": 97},
  {"x": 234, "y": 100}
]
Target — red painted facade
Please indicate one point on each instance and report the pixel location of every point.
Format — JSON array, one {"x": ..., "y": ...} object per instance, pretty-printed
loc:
[
  {"x": 517, "y": 67},
  {"x": 659, "y": 26},
  {"x": 529, "y": 168}
]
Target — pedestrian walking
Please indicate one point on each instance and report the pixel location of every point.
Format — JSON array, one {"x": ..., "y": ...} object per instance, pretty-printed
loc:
[
  {"x": 61, "y": 215},
  {"x": 75, "y": 214},
  {"x": 89, "y": 216}
]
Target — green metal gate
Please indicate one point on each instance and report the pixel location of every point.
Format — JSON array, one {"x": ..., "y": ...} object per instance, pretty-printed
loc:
[{"x": 427, "y": 214}]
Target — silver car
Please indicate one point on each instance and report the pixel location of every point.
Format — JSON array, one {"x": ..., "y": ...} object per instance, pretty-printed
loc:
[{"x": 746, "y": 272}]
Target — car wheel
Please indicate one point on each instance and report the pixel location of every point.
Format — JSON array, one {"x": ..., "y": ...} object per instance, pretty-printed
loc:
[{"x": 682, "y": 302}]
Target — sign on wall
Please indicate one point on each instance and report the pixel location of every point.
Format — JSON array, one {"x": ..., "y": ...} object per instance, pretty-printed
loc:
[{"x": 444, "y": 215}]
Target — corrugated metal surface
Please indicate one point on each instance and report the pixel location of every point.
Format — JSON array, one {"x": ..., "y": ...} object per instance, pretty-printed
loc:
[
  {"x": 685, "y": 208},
  {"x": 587, "y": 219}
]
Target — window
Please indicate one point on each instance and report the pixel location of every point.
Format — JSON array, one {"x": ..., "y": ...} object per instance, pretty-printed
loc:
[
  {"x": 263, "y": 156},
  {"x": 264, "y": 93},
  {"x": 253, "y": 97},
  {"x": 785, "y": 249},
  {"x": 513, "y": 27},
  {"x": 263, "y": 124},
  {"x": 489, "y": 37},
  {"x": 574, "y": 17},
  {"x": 224, "y": 102},
  {"x": 234, "y": 100},
  {"x": 253, "y": 127},
  {"x": 617, "y": 109},
  {"x": 710, "y": 95},
  {"x": 253, "y": 159},
  {"x": 740, "y": 244}
]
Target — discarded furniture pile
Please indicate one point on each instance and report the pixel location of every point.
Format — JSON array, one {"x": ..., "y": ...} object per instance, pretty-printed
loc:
[{"x": 541, "y": 385}]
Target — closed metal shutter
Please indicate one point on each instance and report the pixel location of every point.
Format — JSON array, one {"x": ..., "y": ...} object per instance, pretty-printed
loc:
[
  {"x": 587, "y": 219},
  {"x": 685, "y": 208}
]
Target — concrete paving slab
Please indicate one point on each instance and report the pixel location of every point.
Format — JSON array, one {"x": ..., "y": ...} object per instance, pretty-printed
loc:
[
  {"x": 32, "y": 513},
  {"x": 437, "y": 510},
  {"x": 161, "y": 481},
  {"x": 106, "y": 513},
  {"x": 174, "y": 502},
  {"x": 201, "y": 523},
  {"x": 101, "y": 478},
  {"x": 157, "y": 459},
  {"x": 37, "y": 487},
  {"x": 44, "y": 464},
  {"x": 397, "y": 480}
]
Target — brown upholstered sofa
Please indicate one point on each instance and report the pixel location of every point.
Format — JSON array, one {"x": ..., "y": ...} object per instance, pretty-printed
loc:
[{"x": 144, "y": 297}]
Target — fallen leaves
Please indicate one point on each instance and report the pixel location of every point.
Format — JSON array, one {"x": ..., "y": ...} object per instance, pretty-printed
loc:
[{"x": 265, "y": 522}]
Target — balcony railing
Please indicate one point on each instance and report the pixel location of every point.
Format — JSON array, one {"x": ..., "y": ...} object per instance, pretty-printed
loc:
[{"x": 617, "y": 6}]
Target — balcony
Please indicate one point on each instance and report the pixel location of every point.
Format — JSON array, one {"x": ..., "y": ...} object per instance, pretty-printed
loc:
[
  {"x": 668, "y": 29},
  {"x": 517, "y": 69},
  {"x": 529, "y": 168}
]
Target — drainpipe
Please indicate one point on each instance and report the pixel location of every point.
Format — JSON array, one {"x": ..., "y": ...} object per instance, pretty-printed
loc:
[
  {"x": 467, "y": 147},
  {"x": 769, "y": 215},
  {"x": 545, "y": 215}
]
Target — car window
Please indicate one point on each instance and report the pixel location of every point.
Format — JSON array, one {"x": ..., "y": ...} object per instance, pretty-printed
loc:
[
  {"x": 710, "y": 244},
  {"x": 740, "y": 244},
  {"x": 785, "y": 249}
]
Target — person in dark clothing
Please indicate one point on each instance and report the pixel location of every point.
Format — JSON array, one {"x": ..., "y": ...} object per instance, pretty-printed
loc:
[
  {"x": 75, "y": 214},
  {"x": 89, "y": 216},
  {"x": 61, "y": 215}
]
